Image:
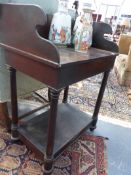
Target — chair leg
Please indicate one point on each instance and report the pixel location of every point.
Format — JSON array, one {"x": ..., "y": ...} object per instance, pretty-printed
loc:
[{"x": 5, "y": 115}]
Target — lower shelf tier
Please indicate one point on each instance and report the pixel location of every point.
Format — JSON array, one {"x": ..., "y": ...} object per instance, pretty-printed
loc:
[{"x": 69, "y": 125}]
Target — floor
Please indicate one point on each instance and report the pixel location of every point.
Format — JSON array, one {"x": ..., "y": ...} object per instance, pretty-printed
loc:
[{"x": 118, "y": 145}]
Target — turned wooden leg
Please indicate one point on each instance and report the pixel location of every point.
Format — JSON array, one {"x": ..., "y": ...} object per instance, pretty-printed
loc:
[
  {"x": 65, "y": 97},
  {"x": 14, "y": 107},
  {"x": 99, "y": 100},
  {"x": 5, "y": 115},
  {"x": 48, "y": 159},
  {"x": 49, "y": 95}
]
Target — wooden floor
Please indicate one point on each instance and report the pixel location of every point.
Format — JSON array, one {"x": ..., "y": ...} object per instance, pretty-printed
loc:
[{"x": 118, "y": 146}]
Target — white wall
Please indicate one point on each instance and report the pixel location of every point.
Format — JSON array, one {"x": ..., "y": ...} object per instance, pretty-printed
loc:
[{"x": 49, "y": 6}]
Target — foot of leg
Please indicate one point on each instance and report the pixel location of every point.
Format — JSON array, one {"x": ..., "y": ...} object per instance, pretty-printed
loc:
[
  {"x": 48, "y": 166},
  {"x": 14, "y": 133},
  {"x": 93, "y": 126}
]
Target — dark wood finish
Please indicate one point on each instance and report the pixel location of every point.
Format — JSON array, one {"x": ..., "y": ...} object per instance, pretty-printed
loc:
[
  {"x": 99, "y": 100},
  {"x": 65, "y": 98},
  {"x": 99, "y": 41},
  {"x": 32, "y": 110},
  {"x": 24, "y": 109},
  {"x": 19, "y": 15},
  {"x": 70, "y": 122},
  {"x": 71, "y": 70},
  {"x": 48, "y": 159},
  {"x": 14, "y": 106},
  {"x": 65, "y": 62},
  {"x": 42, "y": 99},
  {"x": 56, "y": 67},
  {"x": 49, "y": 95},
  {"x": 5, "y": 115}
]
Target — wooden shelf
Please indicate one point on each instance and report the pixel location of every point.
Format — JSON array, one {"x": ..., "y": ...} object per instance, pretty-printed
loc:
[
  {"x": 25, "y": 107},
  {"x": 70, "y": 123}
]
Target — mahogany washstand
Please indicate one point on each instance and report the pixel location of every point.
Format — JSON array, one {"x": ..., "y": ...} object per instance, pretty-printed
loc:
[{"x": 52, "y": 130}]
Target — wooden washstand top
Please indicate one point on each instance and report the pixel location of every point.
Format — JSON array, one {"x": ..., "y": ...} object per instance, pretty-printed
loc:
[{"x": 39, "y": 58}]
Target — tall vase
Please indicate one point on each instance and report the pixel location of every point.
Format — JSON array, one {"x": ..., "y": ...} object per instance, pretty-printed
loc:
[
  {"x": 60, "y": 30},
  {"x": 83, "y": 30}
]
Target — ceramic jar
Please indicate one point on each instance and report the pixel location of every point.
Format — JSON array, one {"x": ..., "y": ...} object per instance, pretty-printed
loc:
[
  {"x": 60, "y": 30},
  {"x": 83, "y": 30}
]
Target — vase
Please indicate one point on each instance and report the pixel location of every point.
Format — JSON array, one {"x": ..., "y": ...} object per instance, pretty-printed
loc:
[
  {"x": 83, "y": 30},
  {"x": 60, "y": 30}
]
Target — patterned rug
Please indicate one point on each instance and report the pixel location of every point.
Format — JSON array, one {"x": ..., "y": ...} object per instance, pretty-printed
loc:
[
  {"x": 116, "y": 102},
  {"x": 86, "y": 156}
]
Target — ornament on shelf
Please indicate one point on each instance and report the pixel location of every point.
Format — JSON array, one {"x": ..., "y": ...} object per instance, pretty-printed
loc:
[
  {"x": 60, "y": 30},
  {"x": 83, "y": 29}
]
